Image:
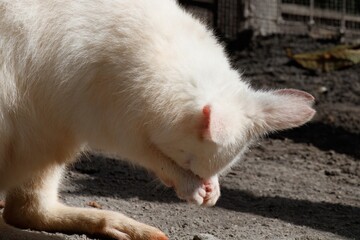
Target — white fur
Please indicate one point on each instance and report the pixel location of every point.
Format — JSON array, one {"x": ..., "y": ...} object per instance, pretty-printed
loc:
[{"x": 128, "y": 78}]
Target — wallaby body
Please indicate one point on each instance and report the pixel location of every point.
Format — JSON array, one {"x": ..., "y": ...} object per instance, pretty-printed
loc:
[{"x": 138, "y": 79}]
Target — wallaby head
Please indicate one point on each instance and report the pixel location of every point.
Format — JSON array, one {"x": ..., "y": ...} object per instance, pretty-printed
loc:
[{"x": 210, "y": 134}]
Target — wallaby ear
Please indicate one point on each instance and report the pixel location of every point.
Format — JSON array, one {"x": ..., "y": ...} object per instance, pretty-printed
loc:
[
  {"x": 219, "y": 125},
  {"x": 285, "y": 108},
  {"x": 213, "y": 125}
]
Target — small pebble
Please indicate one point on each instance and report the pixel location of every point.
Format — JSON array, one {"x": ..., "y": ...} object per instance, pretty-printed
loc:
[{"x": 323, "y": 89}]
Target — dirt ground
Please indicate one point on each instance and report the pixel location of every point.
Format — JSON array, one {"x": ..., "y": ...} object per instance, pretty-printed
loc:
[{"x": 301, "y": 184}]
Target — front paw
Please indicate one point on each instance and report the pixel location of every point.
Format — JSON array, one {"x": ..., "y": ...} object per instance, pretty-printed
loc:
[
  {"x": 199, "y": 191},
  {"x": 212, "y": 188}
]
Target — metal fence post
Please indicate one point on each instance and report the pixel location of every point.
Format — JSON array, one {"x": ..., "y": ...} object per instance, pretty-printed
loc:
[
  {"x": 343, "y": 20},
  {"x": 312, "y": 21},
  {"x": 279, "y": 18}
]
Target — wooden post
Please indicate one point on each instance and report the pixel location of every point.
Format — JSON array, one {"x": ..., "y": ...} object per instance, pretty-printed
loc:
[{"x": 264, "y": 16}]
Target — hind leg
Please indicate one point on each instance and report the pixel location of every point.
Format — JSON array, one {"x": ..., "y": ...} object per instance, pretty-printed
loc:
[{"x": 35, "y": 206}]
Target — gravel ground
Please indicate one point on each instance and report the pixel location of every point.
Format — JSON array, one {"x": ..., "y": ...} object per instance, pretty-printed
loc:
[{"x": 300, "y": 184}]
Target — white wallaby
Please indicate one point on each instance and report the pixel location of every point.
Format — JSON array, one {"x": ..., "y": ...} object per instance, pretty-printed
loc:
[{"x": 142, "y": 80}]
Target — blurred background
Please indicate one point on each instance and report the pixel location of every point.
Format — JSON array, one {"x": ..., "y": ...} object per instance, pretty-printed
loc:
[{"x": 323, "y": 19}]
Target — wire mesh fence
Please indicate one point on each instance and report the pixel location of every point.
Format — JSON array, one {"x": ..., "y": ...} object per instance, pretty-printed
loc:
[
  {"x": 206, "y": 10},
  {"x": 318, "y": 18}
]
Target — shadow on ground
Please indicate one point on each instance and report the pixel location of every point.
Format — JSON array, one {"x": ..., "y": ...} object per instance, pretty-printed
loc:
[
  {"x": 325, "y": 137},
  {"x": 118, "y": 180},
  {"x": 335, "y": 218}
]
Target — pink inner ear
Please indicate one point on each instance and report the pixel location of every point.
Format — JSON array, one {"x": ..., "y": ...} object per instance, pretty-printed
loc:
[{"x": 206, "y": 122}]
